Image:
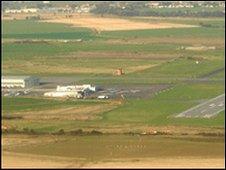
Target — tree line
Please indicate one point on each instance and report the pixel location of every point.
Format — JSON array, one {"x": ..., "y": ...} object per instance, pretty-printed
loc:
[{"x": 139, "y": 9}]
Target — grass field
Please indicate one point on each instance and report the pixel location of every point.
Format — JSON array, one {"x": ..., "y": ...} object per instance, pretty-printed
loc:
[
  {"x": 220, "y": 75},
  {"x": 157, "y": 111},
  {"x": 28, "y": 29},
  {"x": 45, "y": 57},
  {"x": 51, "y": 49},
  {"x": 160, "y": 109},
  {"x": 19, "y": 104},
  {"x": 175, "y": 32},
  {"x": 166, "y": 72},
  {"x": 148, "y": 56}
]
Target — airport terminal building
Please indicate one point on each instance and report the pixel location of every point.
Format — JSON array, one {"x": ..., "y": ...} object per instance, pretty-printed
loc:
[{"x": 19, "y": 81}]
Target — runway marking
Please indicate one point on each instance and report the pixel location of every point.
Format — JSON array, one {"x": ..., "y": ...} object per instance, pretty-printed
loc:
[{"x": 194, "y": 110}]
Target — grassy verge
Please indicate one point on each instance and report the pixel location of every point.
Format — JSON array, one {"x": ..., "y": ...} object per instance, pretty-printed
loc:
[{"x": 21, "y": 104}]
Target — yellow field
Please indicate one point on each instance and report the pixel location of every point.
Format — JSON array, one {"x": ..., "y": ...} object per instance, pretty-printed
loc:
[
  {"x": 12, "y": 160},
  {"x": 111, "y": 24}
]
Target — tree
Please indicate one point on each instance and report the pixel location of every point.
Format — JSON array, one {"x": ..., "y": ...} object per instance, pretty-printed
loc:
[{"x": 101, "y": 8}]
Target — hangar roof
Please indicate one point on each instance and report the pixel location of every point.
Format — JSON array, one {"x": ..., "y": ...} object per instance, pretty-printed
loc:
[{"x": 16, "y": 77}]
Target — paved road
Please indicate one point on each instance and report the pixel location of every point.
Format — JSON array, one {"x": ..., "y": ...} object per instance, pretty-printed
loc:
[
  {"x": 214, "y": 72},
  {"x": 207, "y": 109}
]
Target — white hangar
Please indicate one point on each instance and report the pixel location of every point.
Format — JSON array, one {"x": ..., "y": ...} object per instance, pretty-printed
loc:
[{"x": 19, "y": 81}]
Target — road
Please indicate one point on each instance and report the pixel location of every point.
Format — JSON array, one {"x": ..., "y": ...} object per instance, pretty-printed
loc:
[{"x": 207, "y": 109}]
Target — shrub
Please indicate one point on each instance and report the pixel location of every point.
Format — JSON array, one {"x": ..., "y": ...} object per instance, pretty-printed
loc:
[
  {"x": 95, "y": 132},
  {"x": 61, "y": 132},
  {"x": 77, "y": 132}
]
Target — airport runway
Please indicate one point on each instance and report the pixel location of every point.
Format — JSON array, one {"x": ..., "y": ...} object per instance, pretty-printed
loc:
[{"x": 207, "y": 109}]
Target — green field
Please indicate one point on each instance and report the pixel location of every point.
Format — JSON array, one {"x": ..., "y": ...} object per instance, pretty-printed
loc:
[
  {"x": 89, "y": 58},
  {"x": 157, "y": 111},
  {"x": 20, "y": 104},
  {"x": 171, "y": 32},
  {"x": 55, "y": 49},
  {"x": 147, "y": 57},
  {"x": 42, "y": 58},
  {"x": 129, "y": 129},
  {"x": 167, "y": 72},
  {"x": 28, "y": 29}
]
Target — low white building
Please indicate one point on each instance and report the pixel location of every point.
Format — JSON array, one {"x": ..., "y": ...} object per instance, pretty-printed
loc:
[
  {"x": 86, "y": 87},
  {"x": 24, "y": 10},
  {"x": 76, "y": 91},
  {"x": 19, "y": 81},
  {"x": 30, "y": 10},
  {"x": 65, "y": 88},
  {"x": 74, "y": 94},
  {"x": 12, "y": 11},
  {"x": 82, "y": 88}
]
